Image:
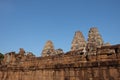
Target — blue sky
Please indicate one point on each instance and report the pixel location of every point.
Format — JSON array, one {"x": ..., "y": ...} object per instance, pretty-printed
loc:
[{"x": 29, "y": 24}]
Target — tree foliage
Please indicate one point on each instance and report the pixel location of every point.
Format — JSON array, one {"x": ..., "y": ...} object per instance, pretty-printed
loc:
[{"x": 1, "y": 56}]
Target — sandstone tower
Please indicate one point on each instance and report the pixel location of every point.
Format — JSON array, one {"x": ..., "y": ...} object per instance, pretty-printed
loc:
[
  {"x": 76, "y": 64},
  {"x": 94, "y": 39},
  {"x": 48, "y": 49},
  {"x": 78, "y": 41},
  {"x": 22, "y": 51}
]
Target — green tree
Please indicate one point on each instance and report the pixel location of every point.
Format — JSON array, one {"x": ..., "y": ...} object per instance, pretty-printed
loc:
[{"x": 1, "y": 56}]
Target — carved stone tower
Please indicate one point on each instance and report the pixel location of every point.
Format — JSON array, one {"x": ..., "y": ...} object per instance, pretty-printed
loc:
[
  {"x": 78, "y": 41},
  {"x": 48, "y": 49},
  {"x": 94, "y": 39},
  {"x": 22, "y": 52}
]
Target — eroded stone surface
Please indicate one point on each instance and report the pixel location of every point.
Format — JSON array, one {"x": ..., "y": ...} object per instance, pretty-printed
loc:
[
  {"x": 94, "y": 39},
  {"x": 22, "y": 51},
  {"x": 77, "y": 64},
  {"x": 72, "y": 65},
  {"x": 78, "y": 41},
  {"x": 48, "y": 49}
]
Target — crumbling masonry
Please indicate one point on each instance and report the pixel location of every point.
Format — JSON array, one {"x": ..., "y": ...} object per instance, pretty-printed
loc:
[{"x": 87, "y": 60}]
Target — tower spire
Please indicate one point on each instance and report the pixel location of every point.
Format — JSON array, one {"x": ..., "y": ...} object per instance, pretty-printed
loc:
[
  {"x": 78, "y": 41},
  {"x": 48, "y": 49},
  {"x": 94, "y": 39}
]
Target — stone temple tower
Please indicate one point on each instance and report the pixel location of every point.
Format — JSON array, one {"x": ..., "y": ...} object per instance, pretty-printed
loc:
[
  {"x": 94, "y": 39},
  {"x": 48, "y": 49},
  {"x": 78, "y": 41}
]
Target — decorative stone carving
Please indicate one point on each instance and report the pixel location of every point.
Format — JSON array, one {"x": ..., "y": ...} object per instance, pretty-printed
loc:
[
  {"x": 48, "y": 49},
  {"x": 78, "y": 41},
  {"x": 94, "y": 39},
  {"x": 73, "y": 65}
]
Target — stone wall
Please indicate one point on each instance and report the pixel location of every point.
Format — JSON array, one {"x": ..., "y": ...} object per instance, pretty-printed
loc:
[
  {"x": 87, "y": 60},
  {"x": 83, "y": 71},
  {"x": 74, "y": 65}
]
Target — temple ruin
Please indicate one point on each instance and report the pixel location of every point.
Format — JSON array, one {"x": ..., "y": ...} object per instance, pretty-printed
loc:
[
  {"x": 78, "y": 42},
  {"x": 90, "y": 59},
  {"x": 48, "y": 49}
]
